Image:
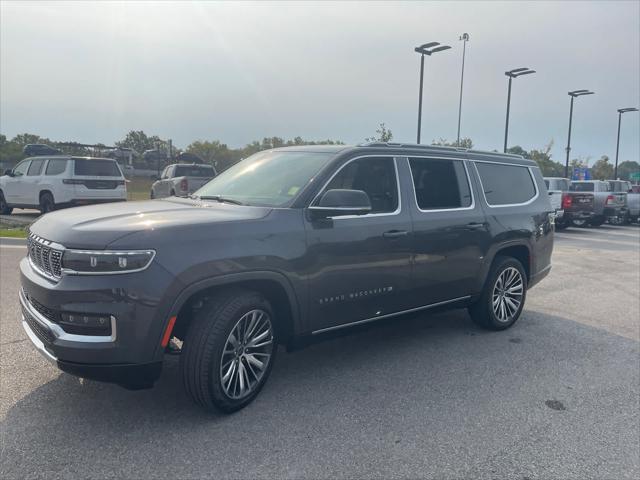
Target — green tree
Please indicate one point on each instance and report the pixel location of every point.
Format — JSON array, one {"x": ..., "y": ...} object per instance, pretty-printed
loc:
[
  {"x": 602, "y": 169},
  {"x": 140, "y": 141},
  {"x": 383, "y": 134},
  {"x": 626, "y": 168},
  {"x": 465, "y": 142}
]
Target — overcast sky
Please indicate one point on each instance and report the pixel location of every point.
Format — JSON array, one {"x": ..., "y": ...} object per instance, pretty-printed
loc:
[{"x": 237, "y": 72}]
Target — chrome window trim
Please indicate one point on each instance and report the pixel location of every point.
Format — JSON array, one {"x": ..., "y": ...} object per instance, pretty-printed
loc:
[
  {"x": 368, "y": 215},
  {"x": 59, "y": 333},
  {"x": 436, "y": 157},
  {"x": 388, "y": 315},
  {"x": 533, "y": 179}
]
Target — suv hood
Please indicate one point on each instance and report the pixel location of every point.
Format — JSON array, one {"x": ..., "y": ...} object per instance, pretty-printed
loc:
[{"x": 97, "y": 226}]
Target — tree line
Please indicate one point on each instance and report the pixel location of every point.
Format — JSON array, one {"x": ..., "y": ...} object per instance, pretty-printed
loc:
[{"x": 222, "y": 156}]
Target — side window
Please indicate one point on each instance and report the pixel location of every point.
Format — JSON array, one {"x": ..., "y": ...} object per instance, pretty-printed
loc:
[
  {"x": 164, "y": 173},
  {"x": 35, "y": 168},
  {"x": 56, "y": 166},
  {"x": 21, "y": 168},
  {"x": 374, "y": 175},
  {"x": 506, "y": 184},
  {"x": 440, "y": 184}
]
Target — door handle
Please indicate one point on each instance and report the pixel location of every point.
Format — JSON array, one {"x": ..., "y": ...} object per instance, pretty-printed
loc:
[
  {"x": 475, "y": 226},
  {"x": 395, "y": 234}
]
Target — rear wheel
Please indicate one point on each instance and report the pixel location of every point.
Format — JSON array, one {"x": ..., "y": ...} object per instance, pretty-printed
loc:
[
  {"x": 46, "y": 203},
  {"x": 229, "y": 350},
  {"x": 152, "y": 195},
  {"x": 502, "y": 299},
  {"x": 579, "y": 222},
  {"x": 597, "y": 222},
  {"x": 5, "y": 209}
]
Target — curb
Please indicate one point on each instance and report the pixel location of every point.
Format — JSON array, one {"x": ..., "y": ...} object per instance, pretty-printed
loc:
[{"x": 13, "y": 241}]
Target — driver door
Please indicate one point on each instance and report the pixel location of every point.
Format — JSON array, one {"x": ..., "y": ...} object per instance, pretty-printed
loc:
[{"x": 359, "y": 267}]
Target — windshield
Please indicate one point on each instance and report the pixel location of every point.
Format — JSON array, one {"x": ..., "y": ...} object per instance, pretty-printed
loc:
[
  {"x": 581, "y": 187},
  {"x": 271, "y": 178},
  {"x": 193, "y": 171}
]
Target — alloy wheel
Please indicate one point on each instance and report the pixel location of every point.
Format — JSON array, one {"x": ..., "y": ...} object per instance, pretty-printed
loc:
[
  {"x": 507, "y": 294},
  {"x": 246, "y": 354}
]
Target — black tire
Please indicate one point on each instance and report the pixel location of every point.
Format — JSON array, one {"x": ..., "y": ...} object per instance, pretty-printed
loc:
[
  {"x": 597, "y": 222},
  {"x": 561, "y": 226},
  {"x": 4, "y": 208},
  {"x": 46, "y": 203},
  {"x": 152, "y": 195},
  {"x": 173, "y": 193},
  {"x": 580, "y": 223},
  {"x": 204, "y": 347},
  {"x": 482, "y": 312}
]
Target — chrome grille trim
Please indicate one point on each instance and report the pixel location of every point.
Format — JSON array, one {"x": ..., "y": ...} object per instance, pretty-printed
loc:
[{"x": 45, "y": 257}]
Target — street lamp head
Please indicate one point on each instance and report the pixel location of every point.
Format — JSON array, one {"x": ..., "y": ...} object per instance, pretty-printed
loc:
[
  {"x": 628, "y": 109},
  {"x": 427, "y": 48},
  {"x": 578, "y": 93},
  {"x": 464, "y": 37},
  {"x": 516, "y": 72}
]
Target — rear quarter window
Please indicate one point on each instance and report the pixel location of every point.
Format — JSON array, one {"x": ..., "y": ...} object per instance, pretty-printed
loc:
[
  {"x": 96, "y": 168},
  {"x": 506, "y": 184}
]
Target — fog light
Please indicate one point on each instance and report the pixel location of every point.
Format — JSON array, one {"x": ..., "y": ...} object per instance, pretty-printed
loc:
[{"x": 86, "y": 324}]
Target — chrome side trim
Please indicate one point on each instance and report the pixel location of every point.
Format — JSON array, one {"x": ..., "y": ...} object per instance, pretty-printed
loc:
[
  {"x": 388, "y": 315},
  {"x": 37, "y": 343},
  {"x": 533, "y": 179},
  {"x": 344, "y": 217},
  {"x": 59, "y": 333}
]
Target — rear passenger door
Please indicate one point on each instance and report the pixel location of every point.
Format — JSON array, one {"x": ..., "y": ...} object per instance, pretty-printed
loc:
[{"x": 451, "y": 236}]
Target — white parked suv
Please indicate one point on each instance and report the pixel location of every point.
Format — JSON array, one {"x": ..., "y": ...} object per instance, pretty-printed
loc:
[{"x": 47, "y": 183}]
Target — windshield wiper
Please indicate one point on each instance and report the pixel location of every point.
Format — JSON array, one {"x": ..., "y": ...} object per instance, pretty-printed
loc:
[{"x": 218, "y": 198}]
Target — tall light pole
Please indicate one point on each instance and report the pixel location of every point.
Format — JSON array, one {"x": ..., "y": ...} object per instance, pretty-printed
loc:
[
  {"x": 620, "y": 112},
  {"x": 426, "y": 49},
  {"x": 573, "y": 95},
  {"x": 515, "y": 73},
  {"x": 465, "y": 38}
]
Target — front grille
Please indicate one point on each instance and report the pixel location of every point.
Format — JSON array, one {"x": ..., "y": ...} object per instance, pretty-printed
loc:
[
  {"x": 41, "y": 332},
  {"x": 44, "y": 256}
]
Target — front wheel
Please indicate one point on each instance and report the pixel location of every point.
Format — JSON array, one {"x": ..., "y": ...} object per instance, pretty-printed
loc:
[
  {"x": 5, "y": 209},
  {"x": 502, "y": 299},
  {"x": 229, "y": 350}
]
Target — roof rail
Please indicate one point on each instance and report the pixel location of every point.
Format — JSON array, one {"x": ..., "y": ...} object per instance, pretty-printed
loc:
[
  {"x": 444, "y": 148},
  {"x": 412, "y": 145}
]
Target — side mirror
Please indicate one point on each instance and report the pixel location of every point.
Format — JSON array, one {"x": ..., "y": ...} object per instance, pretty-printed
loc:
[
  {"x": 8, "y": 172},
  {"x": 338, "y": 202}
]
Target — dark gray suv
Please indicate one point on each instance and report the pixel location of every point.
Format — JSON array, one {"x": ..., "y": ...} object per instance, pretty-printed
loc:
[{"x": 286, "y": 245}]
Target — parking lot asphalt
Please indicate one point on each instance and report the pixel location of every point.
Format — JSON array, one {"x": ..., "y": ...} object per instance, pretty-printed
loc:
[{"x": 428, "y": 396}]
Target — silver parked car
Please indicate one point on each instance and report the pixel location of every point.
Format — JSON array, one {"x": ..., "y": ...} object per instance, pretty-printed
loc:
[{"x": 182, "y": 180}]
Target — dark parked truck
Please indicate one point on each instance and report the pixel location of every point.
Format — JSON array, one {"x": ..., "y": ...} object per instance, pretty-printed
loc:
[
  {"x": 284, "y": 246},
  {"x": 591, "y": 202}
]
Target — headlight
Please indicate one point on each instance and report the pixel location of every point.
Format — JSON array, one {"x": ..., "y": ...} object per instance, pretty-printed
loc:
[{"x": 83, "y": 262}]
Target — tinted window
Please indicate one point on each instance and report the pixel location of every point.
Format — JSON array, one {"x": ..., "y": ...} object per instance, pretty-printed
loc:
[
  {"x": 440, "y": 183},
  {"x": 581, "y": 187},
  {"x": 193, "y": 171},
  {"x": 35, "y": 168},
  {"x": 21, "y": 168},
  {"x": 506, "y": 184},
  {"x": 99, "y": 168},
  {"x": 56, "y": 166},
  {"x": 376, "y": 176}
]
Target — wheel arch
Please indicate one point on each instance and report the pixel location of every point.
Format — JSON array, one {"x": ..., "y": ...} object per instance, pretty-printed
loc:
[
  {"x": 42, "y": 192},
  {"x": 520, "y": 250},
  {"x": 273, "y": 285}
]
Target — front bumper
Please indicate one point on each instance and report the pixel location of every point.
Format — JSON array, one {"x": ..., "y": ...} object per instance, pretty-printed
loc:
[{"x": 137, "y": 305}]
